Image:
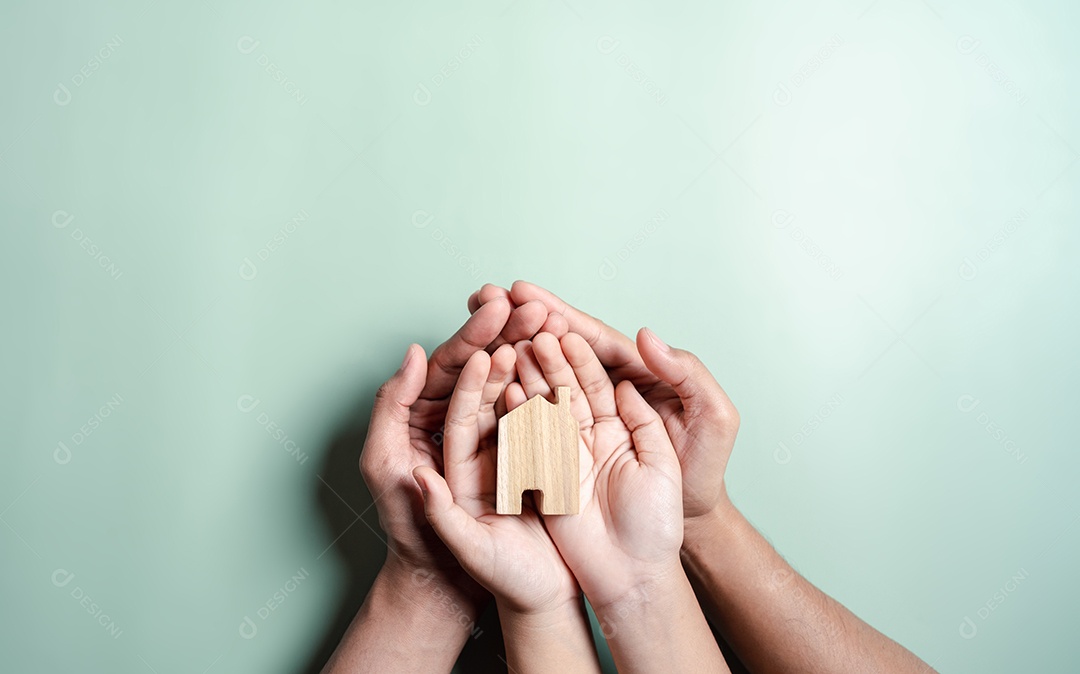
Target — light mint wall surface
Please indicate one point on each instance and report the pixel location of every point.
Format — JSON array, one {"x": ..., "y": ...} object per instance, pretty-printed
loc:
[{"x": 861, "y": 214}]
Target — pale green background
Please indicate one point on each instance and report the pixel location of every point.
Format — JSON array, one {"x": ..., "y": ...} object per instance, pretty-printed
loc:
[{"x": 540, "y": 157}]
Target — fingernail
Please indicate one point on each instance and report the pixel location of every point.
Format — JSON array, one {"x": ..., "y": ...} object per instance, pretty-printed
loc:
[
  {"x": 420, "y": 483},
  {"x": 408, "y": 357},
  {"x": 656, "y": 340}
]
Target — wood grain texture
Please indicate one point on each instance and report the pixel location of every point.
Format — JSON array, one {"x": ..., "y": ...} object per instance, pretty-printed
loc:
[{"x": 538, "y": 449}]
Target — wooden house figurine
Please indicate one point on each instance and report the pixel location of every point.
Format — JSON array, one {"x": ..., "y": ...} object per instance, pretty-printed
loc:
[{"x": 538, "y": 449}]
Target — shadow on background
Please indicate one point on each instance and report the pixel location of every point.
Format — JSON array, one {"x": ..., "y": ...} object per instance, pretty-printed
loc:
[{"x": 349, "y": 515}]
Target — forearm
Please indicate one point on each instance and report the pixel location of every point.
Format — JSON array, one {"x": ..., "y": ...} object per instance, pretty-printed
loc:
[
  {"x": 409, "y": 622},
  {"x": 660, "y": 627},
  {"x": 555, "y": 641},
  {"x": 774, "y": 619}
]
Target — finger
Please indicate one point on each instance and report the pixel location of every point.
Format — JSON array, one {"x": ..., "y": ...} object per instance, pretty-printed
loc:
[
  {"x": 524, "y": 322},
  {"x": 458, "y": 530},
  {"x": 591, "y": 375},
  {"x": 390, "y": 414},
  {"x": 651, "y": 441},
  {"x": 556, "y": 324},
  {"x": 486, "y": 293},
  {"x": 529, "y": 371},
  {"x": 557, "y": 372},
  {"x": 475, "y": 335},
  {"x": 490, "y": 291},
  {"x": 697, "y": 389},
  {"x": 501, "y": 402},
  {"x": 515, "y": 396},
  {"x": 614, "y": 349},
  {"x": 462, "y": 433},
  {"x": 502, "y": 373}
]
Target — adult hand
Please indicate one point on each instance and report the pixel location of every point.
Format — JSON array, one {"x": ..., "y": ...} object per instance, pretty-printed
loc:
[
  {"x": 422, "y": 605},
  {"x": 406, "y": 431},
  {"x": 735, "y": 569},
  {"x": 699, "y": 417}
]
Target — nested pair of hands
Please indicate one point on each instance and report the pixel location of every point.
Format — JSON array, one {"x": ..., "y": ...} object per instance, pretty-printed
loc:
[
  {"x": 436, "y": 422},
  {"x": 629, "y": 528}
]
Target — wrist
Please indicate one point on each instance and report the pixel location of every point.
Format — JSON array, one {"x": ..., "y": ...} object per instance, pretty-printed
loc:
[
  {"x": 406, "y": 625},
  {"x": 719, "y": 521},
  {"x": 558, "y": 637},
  {"x": 651, "y": 587},
  {"x": 548, "y": 619},
  {"x": 651, "y": 599},
  {"x": 659, "y": 626},
  {"x": 446, "y": 602}
]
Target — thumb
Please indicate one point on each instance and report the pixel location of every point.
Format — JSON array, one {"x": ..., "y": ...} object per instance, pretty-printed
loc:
[
  {"x": 683, "y": 371},
  {"x": 651, "y": 441},
  {"x": 457, "y": 529},
  {"x": 390, "y": 414}
]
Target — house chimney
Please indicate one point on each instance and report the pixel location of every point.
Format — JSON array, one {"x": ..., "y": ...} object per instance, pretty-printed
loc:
[{"x": 562, "y": 395}]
